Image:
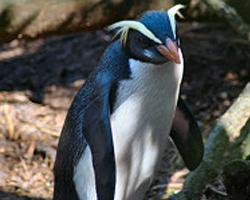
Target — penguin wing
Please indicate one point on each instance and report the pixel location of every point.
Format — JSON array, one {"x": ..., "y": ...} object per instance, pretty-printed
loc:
[
  {"x": 98, "y": 135},
  {"x": 186, "y": 135},
  {"x": 87, "y": 123}
]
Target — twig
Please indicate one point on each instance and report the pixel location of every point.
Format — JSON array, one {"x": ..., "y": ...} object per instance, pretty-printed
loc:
[
  {"x": 216, "y": 191},
  {"x": 9, "y": 122}
]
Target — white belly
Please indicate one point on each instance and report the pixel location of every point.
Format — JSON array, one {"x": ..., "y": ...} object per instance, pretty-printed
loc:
[{"x": 140, "y": 125}]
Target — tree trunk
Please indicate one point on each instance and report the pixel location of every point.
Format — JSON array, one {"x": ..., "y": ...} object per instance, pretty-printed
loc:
[
  {"x": 228, "y": 135},
  {"x": 30, "y": 19}
]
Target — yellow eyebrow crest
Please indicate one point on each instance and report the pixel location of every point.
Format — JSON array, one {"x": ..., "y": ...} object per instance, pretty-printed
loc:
[
  {"x": 175, "y": 10},
  {"x": 126, "y": 25}
]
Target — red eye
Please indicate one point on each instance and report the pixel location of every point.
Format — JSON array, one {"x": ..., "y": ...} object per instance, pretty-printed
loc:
[{"x": 143, "y": 42}]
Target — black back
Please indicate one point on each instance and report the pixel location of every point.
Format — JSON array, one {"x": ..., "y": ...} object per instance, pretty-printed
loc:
[{"x": 87, "y": 122}]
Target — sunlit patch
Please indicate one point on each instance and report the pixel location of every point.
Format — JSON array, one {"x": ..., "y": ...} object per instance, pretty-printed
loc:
[
  {"x": 126, "y": 25},
  {"x": 175, "y": 10}
]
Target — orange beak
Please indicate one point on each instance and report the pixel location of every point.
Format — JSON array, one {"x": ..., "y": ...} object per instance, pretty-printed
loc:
[{"x": 170, "y": 51}]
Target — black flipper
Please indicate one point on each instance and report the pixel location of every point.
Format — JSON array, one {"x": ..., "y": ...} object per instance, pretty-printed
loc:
[
  {"x": 88, "y": 123},
  {"x": 99, "y": 137},
  {"x": 87, "y": 126},
  {"x": 187, "y": 136}
]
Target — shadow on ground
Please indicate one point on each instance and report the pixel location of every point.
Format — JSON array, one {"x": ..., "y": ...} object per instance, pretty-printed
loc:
[
  {"x": 12, "y": 196},
  {"x": 37, "y": 64}
]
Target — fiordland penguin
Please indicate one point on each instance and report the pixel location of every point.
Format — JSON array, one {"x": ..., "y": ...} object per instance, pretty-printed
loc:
[{"x": 119, "y": 123}]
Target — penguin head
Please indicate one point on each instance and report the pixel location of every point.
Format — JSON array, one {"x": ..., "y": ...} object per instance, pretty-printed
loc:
[{"x": 153, "y": 38}]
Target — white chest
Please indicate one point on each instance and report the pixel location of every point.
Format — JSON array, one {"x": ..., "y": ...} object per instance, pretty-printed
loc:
[
  {"x": 145, "y": 101},
  {"x": 141, "y": 124}
]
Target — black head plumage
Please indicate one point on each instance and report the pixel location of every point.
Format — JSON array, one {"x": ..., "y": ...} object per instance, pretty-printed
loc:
[
  {"x": 152, "y": 38},
  {"x": 159, "y": 23}
]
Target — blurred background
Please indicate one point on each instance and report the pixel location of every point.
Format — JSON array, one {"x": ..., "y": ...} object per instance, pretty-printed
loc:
[{"x": 49, "y": 47}]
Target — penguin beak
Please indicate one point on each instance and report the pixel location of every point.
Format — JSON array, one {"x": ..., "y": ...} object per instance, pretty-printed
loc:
[{"x": 170, "y": 51}]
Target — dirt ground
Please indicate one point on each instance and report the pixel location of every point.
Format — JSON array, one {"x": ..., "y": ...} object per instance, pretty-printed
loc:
[{"x": 38, "y": 80}]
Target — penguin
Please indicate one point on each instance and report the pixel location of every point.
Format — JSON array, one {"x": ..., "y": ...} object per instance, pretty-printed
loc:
[{"x": 119, "y": 123}]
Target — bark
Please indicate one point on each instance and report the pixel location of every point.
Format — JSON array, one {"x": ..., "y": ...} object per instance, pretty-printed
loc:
[
  {"x": 235, "y": 13},
  {"x": 228, "y": 135},
  {"x": 30, "y": 19},
  {"x": 242, "y": 7},
  {"x": 228, "y": 13}
]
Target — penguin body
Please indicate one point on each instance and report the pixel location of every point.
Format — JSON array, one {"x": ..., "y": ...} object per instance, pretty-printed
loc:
[
  {"x": 140, "y": 124},
  {"x": 118, "y": 125}
]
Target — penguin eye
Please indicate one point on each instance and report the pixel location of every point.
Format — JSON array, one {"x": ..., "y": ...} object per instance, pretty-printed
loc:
[{"x": 143, "y": 43}]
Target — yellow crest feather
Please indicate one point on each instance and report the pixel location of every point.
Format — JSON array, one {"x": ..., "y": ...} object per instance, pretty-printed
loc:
[
  {"x": 171, "y": 13},
  {"x": 130, "y": 24},
  {"x": 126, "y": 25},
  {"x": 175, "y": 10}
]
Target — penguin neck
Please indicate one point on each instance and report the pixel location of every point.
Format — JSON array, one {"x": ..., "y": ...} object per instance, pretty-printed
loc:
[
  {"x": 158, "y": 79},
  {"x": 150, "y": 81},
  {"x": 163, "y": 76},
  {"x": 146, "y": 71}
]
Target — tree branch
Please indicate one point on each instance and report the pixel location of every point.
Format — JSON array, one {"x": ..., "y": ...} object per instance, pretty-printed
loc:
[
  {"x": 231, "y": 129},
  {"x": 230, "y": 15}
]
